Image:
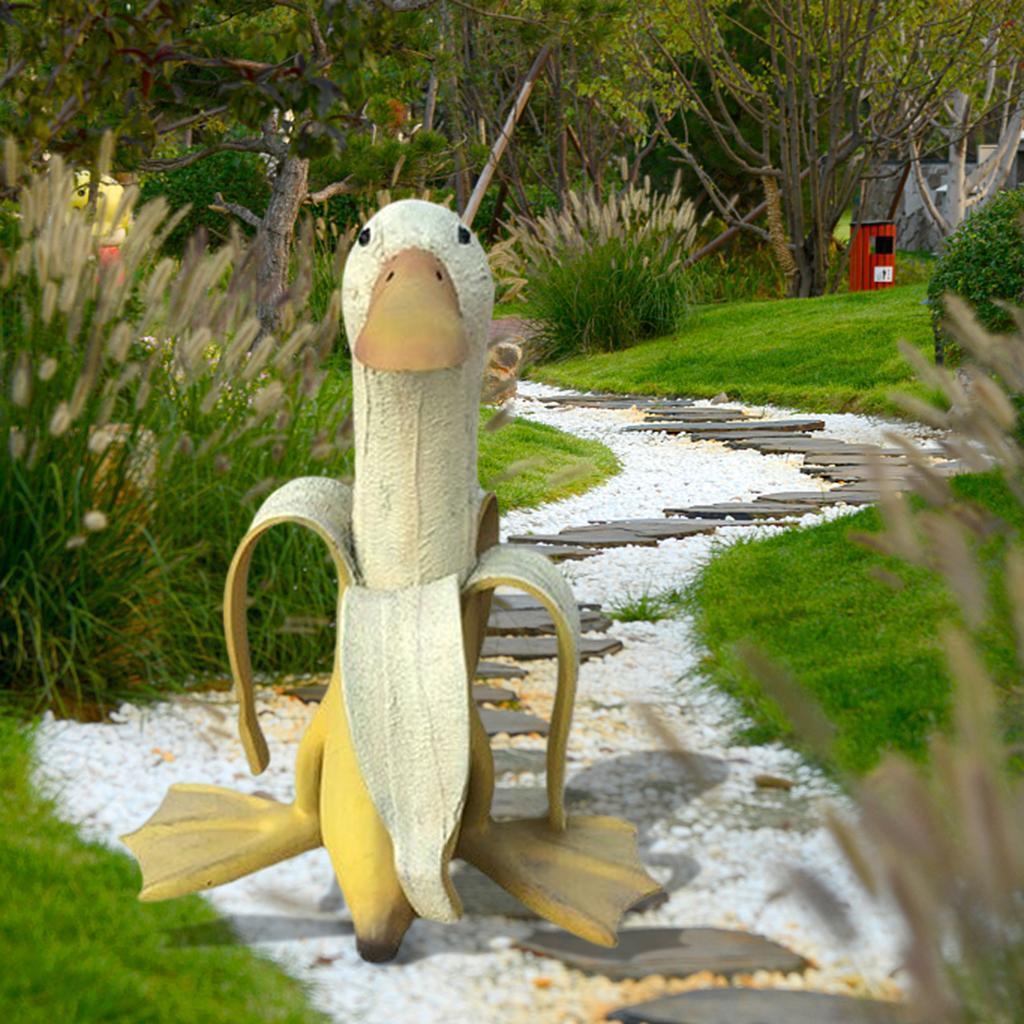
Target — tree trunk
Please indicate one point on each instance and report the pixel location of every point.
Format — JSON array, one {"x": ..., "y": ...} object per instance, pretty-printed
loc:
[{"x": 274, "y": 238}]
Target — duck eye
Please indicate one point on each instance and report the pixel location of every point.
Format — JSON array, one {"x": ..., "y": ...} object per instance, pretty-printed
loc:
[
  {"x": 464, "y": 235},
  {"x": 364, "y": 236}
]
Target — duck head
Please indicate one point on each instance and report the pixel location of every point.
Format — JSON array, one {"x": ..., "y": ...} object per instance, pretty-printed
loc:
[
  {"x": 417, "y": 299},
  {"x": 418, "y": 292}
]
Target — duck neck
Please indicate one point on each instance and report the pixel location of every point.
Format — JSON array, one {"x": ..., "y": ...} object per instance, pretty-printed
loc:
[{"x": 416, "y": 495}]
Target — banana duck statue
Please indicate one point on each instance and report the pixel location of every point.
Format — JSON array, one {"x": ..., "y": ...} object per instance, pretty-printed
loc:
[{"x": 394, "y": 775}]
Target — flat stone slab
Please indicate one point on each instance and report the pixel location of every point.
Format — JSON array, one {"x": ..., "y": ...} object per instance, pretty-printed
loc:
[
  {"x": 607, "y": 400},
  {"x": 739, "y": 510},
  {"x": 511, "y": 759},
  {"x": 562, "y": 552},
  {"x": 537, "y": 622},
  {"x": 798, "y": 498},
  {"x": 590, "y": 537},
  {"x": 498, "y": 670},
  {"x": 751, "y": 427},
  {"x": 760, "y": 1006},
  {"x": 851, "y": 459},
  {"x": 706, "y": 414},
  {"x": 512, "y": 723},
  {"x": 674, "y": 952},
  {"x": 492, "y": 694},
  {"x": 861, "y": 474},
  {"x": 663, "y": 529},
  {"x": 527, "y": 648}
]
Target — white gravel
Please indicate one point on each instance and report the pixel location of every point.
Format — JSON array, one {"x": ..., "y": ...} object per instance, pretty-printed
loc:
[{"x": 712, "y": 837}]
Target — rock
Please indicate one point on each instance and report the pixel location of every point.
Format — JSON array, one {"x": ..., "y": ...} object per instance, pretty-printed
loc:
[
  {"x": 760, "y": 1006},
  {"x": 720, "y": 399},
  {"x": 673, "y": 952}
]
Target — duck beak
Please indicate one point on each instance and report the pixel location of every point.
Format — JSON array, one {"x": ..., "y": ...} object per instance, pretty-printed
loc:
[{"x": 414, "y": 322}]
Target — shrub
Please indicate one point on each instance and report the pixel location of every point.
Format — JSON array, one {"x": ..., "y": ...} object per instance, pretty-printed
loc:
[
  {"x": 137, "y": 436},
  {"x": 239, "y": 177},
  {"x": 604, "y": 275},
  {"x": 983, "y": 262}
]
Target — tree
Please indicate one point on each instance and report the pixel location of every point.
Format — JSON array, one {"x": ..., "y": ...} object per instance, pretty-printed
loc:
[
  {"x": 996, "y": 102},
  {"x": 282, "y": 78},
  {"x": 823, "y": 88}
]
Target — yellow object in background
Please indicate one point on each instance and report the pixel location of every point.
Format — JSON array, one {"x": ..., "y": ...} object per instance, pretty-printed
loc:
[{"x": 109, "y": 194}]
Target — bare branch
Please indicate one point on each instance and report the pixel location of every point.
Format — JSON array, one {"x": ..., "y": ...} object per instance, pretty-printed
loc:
[
  {"x": 221, "y": 205},
  {"x": 336, "y": 188},
  {"x": 261, "y": 145}
]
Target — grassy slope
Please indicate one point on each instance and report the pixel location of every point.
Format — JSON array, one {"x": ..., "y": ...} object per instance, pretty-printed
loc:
[
  {"x": 867, "y": 653},
  {"x": 836, "y": 353},
  {"x": 78, "y": 947}
]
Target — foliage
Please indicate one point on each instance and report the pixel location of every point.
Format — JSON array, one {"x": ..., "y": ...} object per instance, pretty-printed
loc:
[
  {"x": 836, "y": 353},
  {"x": 983, "y": 262},
  {"x": 97, "y": 953},
  {"x": 648, "y": 606},
  {"x": 734, "y": 274},
  {"x": 826, "y": 610},
  {"x": 945, "y": 846},
  {"x": 239, "y": 177},
  {"x": 604, "y": 275},
  {"x": 135, "y": 447}
]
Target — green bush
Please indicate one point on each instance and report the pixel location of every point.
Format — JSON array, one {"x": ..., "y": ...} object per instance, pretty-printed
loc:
[
  {"x": 983, "y": 262},
  {"x": 239, "y": 177},
  {"x": 137, "y": 437},
  {"x": 604, "y": 275}
]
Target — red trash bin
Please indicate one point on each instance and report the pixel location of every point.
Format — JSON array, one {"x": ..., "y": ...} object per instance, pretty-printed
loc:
[{"x": 873, "y": 256}]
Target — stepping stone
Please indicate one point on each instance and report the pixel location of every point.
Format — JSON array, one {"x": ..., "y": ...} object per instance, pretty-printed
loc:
[
  {"x": 662, "y": 529},
  {"x": 534, "y": 622},
  {"x": 587, "y": 537},
  {"x": 850, "y": 459},
  {"x": 802, "y": 445},
  {"x": 511, "y": 759},
  {"x": 699, "y": 414},
  {"x": 761, "y": 1006},
  {"x": 512, "y": 723},
  {"x": 783, "y": 444},
  {"x": 308, "y": 694},
  {"x": 865, "y": 474},
  {"x": 798, "y": 498},
  {"x": 497, "y": 670},
  {"x": 529, "y": 648},
  {"x": 673, "y": 952},
  {"x": 749, "y": 427},
  {"x": 520, "y": 601},
  {"x": 492, "y": 694},
  {"x": 561, "y": 552},
  {"x": 739, "y": 510}
]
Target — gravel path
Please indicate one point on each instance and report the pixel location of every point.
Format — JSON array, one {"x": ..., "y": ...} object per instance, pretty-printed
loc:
[{"x": 712, "y": 837}]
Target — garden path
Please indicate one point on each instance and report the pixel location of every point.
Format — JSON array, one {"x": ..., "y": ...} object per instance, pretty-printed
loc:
[{"x": 712, "y": 827}]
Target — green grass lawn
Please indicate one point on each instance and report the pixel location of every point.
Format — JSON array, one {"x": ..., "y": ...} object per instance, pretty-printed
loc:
[
  {"x": 835, "y": 353},
  {"x": 78, "y": 947},
  {"x": 868, "y": 654}
]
